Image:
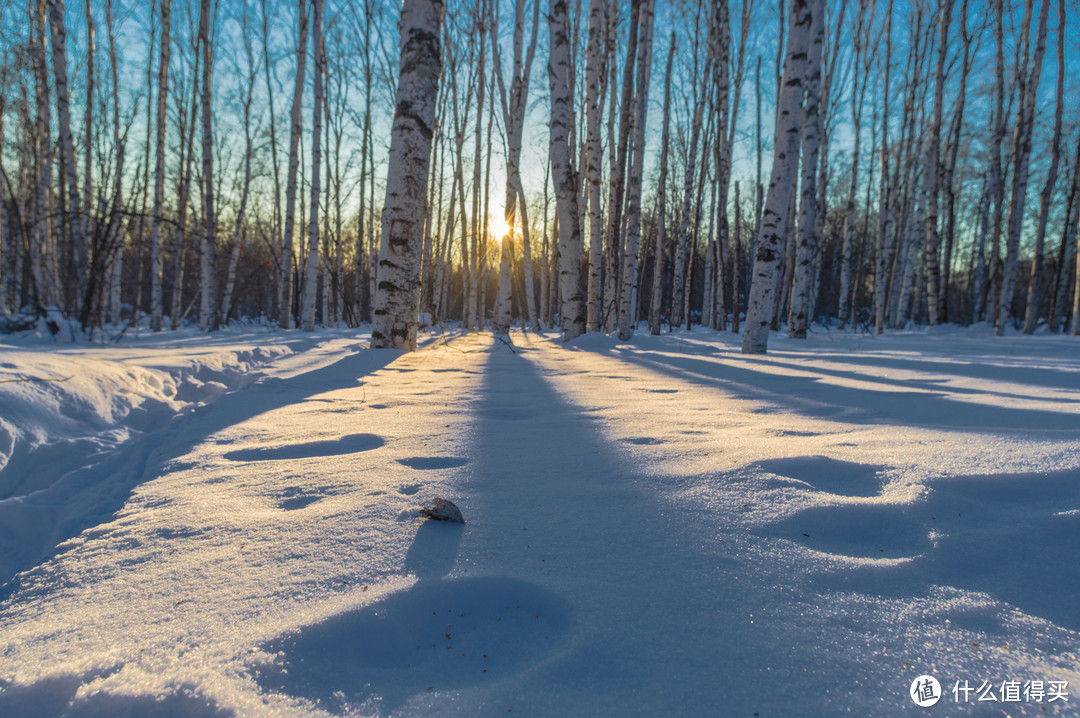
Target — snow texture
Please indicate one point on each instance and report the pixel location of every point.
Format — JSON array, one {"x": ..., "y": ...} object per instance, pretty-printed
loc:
[{"x": 228, "y": 525}]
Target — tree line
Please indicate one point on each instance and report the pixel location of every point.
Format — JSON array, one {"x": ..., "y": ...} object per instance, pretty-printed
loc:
[{"x": 748, "y": 166}]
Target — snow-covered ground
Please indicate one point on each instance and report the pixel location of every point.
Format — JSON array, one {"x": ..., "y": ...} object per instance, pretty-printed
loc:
[{"x": 205, "y": 527}]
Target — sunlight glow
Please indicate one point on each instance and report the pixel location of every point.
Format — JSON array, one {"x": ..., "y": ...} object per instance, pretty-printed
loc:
[{"x": 497, "y": 225}]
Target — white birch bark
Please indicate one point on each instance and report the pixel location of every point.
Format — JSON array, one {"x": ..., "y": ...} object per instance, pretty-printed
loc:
[
  {"x": 932, "y": 170},
  {"x": 655, "y": 306},
  {"x": 208, "y": 317},
  {"x": 628, "y": 299},
  {"x": 397, "y": 295},
  {"x": 806, "y": 248},
  {"x": 311, "y": 283},
  {"x": 861, "y": 63},
  {"x": 571, "y": 304},
  {"x": 613, "y": 236},
  {"x": 1067, "y": 255},
  {"x": 43, "y": 250},
  {"x": 769, "y": 244},
  {"x": 156, "y": 304},
  {"x": 285, "y": 320},
  {"x": 480, "y": 221},
  {"x": 72, "y": 218},
  {"x": 594, "y": 73},
  {"x": 513, "y": 108},
  {"x": 679, "y": 271},
  {"x": 884, "y": 253},
  {"x": 1025, "y": 120},
  {"x": 1047, "y": 194},
  {"x": 87, "y": 298},
  {"x": 245, "y": 187}
]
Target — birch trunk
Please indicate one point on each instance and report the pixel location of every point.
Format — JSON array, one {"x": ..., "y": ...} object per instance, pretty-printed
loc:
[
  {"x": 479, "y": 223},
  {"x": 513, "y": 108},
  {"x": 187, "y": 145},
  {"x": 1034, "y": 296},
  {"x": 571, "y": 304},
  {"x": 932, "y": 170},
  {"x": 285, "y": 320},
  {"x": 311, "y": 282},
  {"x": 43, "y": 254},
  {"x": 885, "y": 200},
  {"x": 87, "y": 281},
  {"x": 949, "y": 170},
  {"x": 1025, "y": 120},
  {"x": 679, "y": 272},
  {"x": 156, "y": 305},
  {"x": 985, "y": 305},
  {"x": 1067, "y": 254},
  {"x": 594, "y": 109},
  {"x": 72, "y": 218},
  {"x": 245, "y": 188},
  {"x": 628, "y": 299},
  {"x": 397, "y": 295},
  {"x": 613, "y": 237},
  {"x": 806, "y": 249},
  {"x": 858, "y": 92},
  {"x": 768, "y": 245},
  {"x": 208, "y": 319},
  {"x": 655, "y": 306}
]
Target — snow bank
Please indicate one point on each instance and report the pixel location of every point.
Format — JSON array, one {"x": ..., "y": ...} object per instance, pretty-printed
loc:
[{"x": 69, "y": 410}]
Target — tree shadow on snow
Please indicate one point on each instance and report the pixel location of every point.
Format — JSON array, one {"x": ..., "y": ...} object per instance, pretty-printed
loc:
[
  {"x": 56, "y": 697},
  {"x": 1012, "y": 536},
  {"x": 440, "y": 634},
  {"x": 146, "y": 457},
  {"x": 811, "y": 397}
]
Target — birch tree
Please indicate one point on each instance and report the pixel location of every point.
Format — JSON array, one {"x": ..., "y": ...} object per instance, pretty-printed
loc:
[
  {"x": 594, "y": 74},
  {"x": 1046, "y": 196},
  {"x": 861, "y": 64},
  {"x": 312, "y": 268},
  {"x": 156, "y": 304},
  {"x": 806, "y": 249},
  {"x": 1028, "y": 86},
  {"x": 397, "y": 294},
  {"x": 770, "y": 239},
  {"x": 571, "y": 306},
  {"x": 285, "y": 318},
  {"x": 932, "y": 170},
  {"x": 655, "y": 305},
  {"x": 513, "y": 108},
  {"x": 72, "y": 214},
  {"x": 628, "y": 304},
  {"x": 208, "y": 317}
]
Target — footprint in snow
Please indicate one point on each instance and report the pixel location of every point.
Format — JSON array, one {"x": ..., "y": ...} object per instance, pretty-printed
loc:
[
  {"x": 428, "y": 463},
  {"x": 642, "y": 440},
  {"x": 1003, "y": 535},
  {"x": 351, "y": 444},
  {"x": 442, "y": 633}
]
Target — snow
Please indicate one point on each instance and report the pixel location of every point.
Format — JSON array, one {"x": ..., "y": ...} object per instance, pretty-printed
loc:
[{"x": 231, "y": 525}]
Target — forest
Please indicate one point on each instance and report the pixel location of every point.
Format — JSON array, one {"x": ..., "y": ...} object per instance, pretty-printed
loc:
[{"x": 591, "y": 164}]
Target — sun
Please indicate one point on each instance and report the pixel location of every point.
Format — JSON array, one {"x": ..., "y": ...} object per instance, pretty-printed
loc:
[{"x": 497, "y": 225}]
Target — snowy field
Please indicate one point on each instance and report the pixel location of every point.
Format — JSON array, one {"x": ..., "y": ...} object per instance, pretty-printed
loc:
[{"x": 197, "y": 527}]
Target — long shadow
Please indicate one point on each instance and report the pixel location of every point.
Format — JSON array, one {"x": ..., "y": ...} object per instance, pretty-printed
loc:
[
  {"x": 103, "y": 489},
  {"x": 662, "y": 620},
  {"x": 915, "y": 383},
  {"x": 56, "y": 696},
  {"x": 1012, "y": 536},
  {"x": 441, "y": 632},
  {"x": 975, "y": 365},
  {"x": 813, "y": 398}
]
